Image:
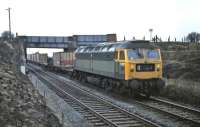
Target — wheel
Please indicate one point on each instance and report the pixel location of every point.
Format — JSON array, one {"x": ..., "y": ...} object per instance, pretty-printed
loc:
[
  {"x": 107, "y": 85},
  {"x": 83, "y": 78},
  {"x": 103, "y": 83}
]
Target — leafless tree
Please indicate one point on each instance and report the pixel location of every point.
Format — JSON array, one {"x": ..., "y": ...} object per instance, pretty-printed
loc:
[
  {"x": 6, "y": 34},
  {"x": 193, "y": 37}
]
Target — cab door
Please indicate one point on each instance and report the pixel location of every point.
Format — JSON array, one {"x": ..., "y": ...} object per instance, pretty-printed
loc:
[
  {"x": 116, "y": 64},
  {"x": 120, "y": 64}
]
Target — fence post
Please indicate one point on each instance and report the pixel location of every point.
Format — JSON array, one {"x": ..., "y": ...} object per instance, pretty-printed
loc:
[
  {"x": 63, "y": 116},
  {"x": 45, "y": 104}
]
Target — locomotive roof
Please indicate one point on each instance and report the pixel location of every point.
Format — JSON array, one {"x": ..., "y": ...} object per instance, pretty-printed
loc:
[
  {"x": 112, "y": 46},
  {"x": 134, "y": 44}
]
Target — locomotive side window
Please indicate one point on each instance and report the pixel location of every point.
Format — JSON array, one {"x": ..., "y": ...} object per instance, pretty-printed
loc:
[
  {"x": 121, "y": 55},
  {"x": 104, "y": 49},
  {"x": 111, "y": 48}
]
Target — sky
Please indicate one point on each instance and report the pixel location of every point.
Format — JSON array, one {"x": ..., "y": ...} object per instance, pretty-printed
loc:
[{"x": 175, "y": 18}]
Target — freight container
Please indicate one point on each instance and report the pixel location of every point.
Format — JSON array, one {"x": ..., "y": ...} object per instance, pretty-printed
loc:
[
  {"x": 43, "y": 59},
  {"x": 63, "y": 59},
  {"x": 56, "y": 59},
  {"x": 38, "y": 58},
  {"x": 67, "y": 59}
]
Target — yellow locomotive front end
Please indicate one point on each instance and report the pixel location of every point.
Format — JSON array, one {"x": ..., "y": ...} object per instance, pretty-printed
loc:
[
  {"x": 143, "y": 64},
  {"x": 143, "y": 70}
]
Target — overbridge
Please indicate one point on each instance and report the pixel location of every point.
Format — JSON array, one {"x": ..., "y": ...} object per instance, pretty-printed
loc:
[
  {"x": 47, "y": 42},
  {"x": 65, "y": 42}
]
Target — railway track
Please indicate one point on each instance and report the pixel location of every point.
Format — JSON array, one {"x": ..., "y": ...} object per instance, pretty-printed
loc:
[
  {"x": 175, "y": 110},
  {"x": 180, "y": 112},
  {"x": 97, "y": 111}
]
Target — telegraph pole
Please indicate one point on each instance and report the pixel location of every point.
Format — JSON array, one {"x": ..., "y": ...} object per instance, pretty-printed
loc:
[{"x": 9, "y": 23}]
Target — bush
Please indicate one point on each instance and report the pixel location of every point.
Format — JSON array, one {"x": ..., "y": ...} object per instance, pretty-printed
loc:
[{"x": 183, "y": 91}]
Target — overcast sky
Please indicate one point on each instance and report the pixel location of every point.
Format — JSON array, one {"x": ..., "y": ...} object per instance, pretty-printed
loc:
[{"x": 124, "y": 17}]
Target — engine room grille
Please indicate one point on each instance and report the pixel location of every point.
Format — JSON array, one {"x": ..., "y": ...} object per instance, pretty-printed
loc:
[{"x": 145, "y": 67}]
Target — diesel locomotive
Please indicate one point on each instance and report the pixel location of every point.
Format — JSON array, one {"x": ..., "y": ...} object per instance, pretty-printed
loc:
[{"x": 128, "y": 66}]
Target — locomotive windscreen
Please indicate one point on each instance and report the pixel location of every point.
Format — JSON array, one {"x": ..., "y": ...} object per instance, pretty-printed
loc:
[
  {"x": 154, "y": 54},
  {"x": 140, "y": 53}
]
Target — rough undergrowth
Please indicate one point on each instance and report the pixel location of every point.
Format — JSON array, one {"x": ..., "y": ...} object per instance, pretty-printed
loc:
[{"x": 20, "y": 104}]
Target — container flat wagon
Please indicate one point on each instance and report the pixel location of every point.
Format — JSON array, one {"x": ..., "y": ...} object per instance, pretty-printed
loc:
[{"x": 38, "y": 58}]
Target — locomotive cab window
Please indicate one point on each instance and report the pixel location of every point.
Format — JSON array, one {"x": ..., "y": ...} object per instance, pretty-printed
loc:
[
  {"x": 135, "y": 54},
  {"x": 121, "y": 55},
  {"x": 153, "y": 54}
]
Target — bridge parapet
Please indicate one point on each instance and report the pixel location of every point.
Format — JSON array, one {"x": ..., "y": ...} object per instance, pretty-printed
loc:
[
  {"x": 47, "y": 41},
  {"x": 65, "y": 41}
]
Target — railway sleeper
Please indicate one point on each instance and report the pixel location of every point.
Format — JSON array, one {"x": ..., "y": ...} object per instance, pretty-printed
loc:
[
  {"x": 88, "y": 101},
  {"x": 134, "y": 123},
  {"x": 127, "y": 119},
  {"x": 95, "y": 120},
  {"x": 115, "y": 117},
  {"x": 100, "y": 124},
  {"x": 105, "y": 112},
  {"x": 115, "y": 114}
]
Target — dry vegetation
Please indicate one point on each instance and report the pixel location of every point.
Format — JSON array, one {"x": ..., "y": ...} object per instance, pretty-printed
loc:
[
  {"x": 182, "y": 91},
  {"x": 20, "y": 104},
  {"x": 182, "y": 74}
]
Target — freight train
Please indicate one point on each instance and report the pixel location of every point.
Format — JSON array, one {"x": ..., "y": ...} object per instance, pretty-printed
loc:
[
  {"x": 134, "y": 67},
  {"x": 61, "y": 61},
  {"x": 38, "y": 58}
]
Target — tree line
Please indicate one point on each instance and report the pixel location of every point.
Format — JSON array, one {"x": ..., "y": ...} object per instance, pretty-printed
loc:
[{"x": 191, "y": 37}]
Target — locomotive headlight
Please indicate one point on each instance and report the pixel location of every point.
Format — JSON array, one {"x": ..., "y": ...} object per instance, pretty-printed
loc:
[
  {"x": 158, "y": 67},
  {"x": 138, "y": 67}
]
